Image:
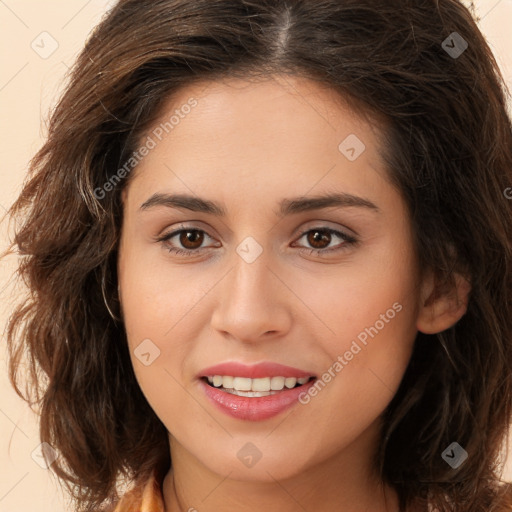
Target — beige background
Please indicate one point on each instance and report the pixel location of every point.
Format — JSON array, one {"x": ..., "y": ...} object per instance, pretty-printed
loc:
[{"x": 30, "y": 81}]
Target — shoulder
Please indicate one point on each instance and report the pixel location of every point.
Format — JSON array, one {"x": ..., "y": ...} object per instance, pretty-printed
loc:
[{"x": 144, "y": 497}]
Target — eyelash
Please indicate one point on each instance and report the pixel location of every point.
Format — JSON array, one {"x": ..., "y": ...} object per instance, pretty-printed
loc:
[{"x": 348, "y": 241}]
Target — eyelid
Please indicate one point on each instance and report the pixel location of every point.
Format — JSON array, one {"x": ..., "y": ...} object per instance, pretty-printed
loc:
[
  {"x": 324, "y": 224},
  {"x": 348, "y": 239},
  {"x": 177, "y": 230},
  {"x": 318, "y": 224}
]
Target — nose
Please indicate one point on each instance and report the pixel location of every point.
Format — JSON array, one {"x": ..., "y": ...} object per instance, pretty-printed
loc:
[{"x": 253, "y": 302}]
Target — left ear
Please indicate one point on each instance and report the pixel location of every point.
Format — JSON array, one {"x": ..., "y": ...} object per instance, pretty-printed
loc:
[{"x": 442, "y": 306}]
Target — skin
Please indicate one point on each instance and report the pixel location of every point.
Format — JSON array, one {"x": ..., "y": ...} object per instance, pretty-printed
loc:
[{"x": 248, "y": 145}]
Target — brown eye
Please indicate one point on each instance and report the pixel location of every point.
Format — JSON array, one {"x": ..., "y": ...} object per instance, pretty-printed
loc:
[
  {"x": 190, "y": 241},
  {"x": 191, "y": 238},
  {"x": 318, "y": 237},
  {"x": 184, "y": 241}
]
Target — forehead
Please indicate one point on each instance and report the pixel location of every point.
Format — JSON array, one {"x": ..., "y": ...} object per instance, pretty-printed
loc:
[
  {"x": 236, "y": 134},
  {"x": 275, "y": 99}
]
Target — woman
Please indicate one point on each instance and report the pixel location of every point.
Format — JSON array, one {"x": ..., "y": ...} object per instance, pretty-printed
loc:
[{"x": 268, "y": 249}]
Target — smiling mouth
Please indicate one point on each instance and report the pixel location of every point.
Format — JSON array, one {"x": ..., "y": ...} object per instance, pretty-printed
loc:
[{"x": 246, "y": 387}]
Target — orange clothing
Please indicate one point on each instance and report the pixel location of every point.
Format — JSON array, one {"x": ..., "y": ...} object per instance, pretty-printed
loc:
[{"x": 147, "y": 498}]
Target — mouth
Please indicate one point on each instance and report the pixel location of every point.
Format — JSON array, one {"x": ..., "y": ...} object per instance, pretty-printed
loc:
[
  {"x": 255, "y": 399},
  {"x": 254, "y": 388}
]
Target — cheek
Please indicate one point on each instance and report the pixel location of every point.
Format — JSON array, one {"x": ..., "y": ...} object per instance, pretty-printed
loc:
[
  {"x": 367, "y": 358},
  {"x": 368, "y": 329},
  {"x": 371, "y": 299},
  {"x": 163, "y": 311},
  {"x": 156, "y": 294},
  {"x": 367, "y": 334},
  {"x": 157, "y": 306}
]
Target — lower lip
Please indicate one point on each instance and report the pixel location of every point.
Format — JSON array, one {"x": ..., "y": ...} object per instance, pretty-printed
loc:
[{"x": 254, "y": 408}]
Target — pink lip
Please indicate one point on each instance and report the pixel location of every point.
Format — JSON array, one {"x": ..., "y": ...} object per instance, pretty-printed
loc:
[
  {"x": 256, "y": 371},
  {"x": 256, "y": 408}
]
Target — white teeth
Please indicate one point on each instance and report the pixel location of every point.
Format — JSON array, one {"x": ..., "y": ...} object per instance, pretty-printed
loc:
[
  {"x": 290, "y": 382},
  {"x": 277, "y": 383},
  {"x": 242, "y": 384},
  {"x": 227, "y": 382},
  {"x": 262, "y": 384},
  {"x": 250, "y": 394},
  {"x": 265, "y": 384}
]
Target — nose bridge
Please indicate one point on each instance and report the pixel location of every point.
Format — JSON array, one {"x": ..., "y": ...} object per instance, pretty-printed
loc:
[
  {"x": 251, "y": 275},
  {"x": 251, "y": 302}
]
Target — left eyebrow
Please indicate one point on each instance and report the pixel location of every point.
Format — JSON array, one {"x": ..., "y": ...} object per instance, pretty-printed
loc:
[
  {"x": 286, "y": 206},
  {"x": 303, "y": 204}
]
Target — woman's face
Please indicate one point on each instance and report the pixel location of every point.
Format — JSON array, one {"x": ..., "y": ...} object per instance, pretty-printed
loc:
[{"x": 267, "y": 281}]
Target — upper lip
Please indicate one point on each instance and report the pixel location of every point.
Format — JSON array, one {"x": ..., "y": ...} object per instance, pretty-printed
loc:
[{"x": 255, "y": 371}]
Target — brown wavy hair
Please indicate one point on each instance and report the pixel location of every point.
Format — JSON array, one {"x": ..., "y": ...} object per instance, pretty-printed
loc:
[{"x": 448, "y": 148}]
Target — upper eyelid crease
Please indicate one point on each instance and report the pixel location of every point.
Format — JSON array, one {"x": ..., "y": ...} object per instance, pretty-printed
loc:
[{"x": 286, "y": 206}]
